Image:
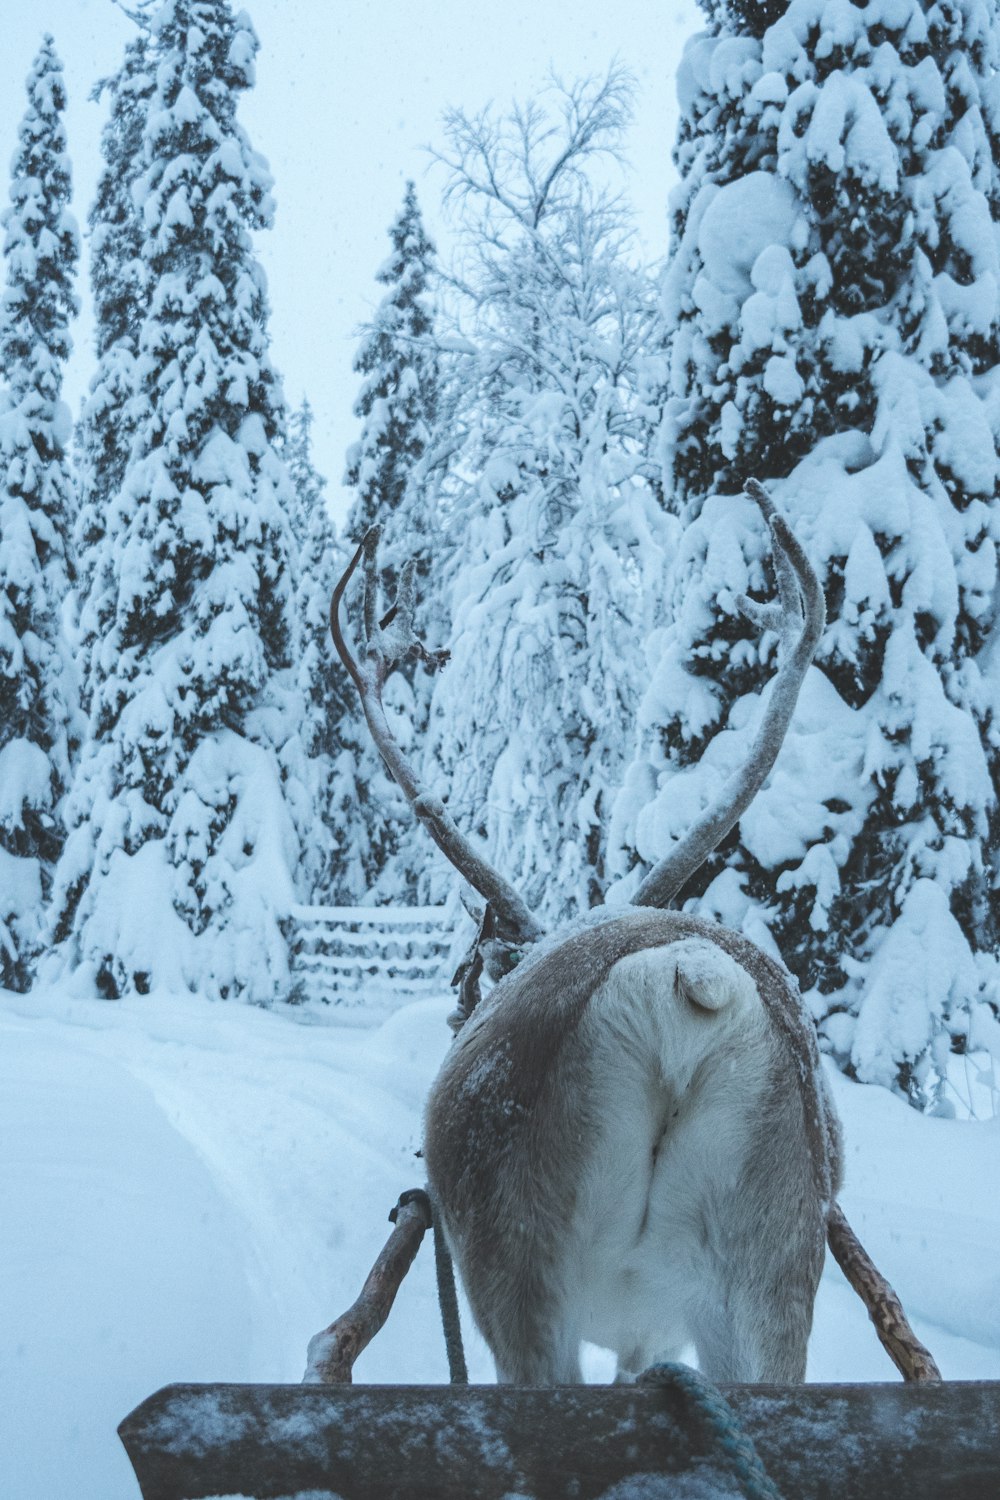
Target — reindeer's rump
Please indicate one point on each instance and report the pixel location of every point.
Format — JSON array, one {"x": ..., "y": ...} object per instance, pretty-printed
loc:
[{"x": 562, "y": 1129}]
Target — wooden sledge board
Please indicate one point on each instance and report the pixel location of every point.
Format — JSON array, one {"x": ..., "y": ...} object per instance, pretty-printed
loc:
[{"x": 817, "y": 1442}]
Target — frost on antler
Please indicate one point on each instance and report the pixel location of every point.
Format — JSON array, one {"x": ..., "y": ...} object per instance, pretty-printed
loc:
[{"x": 797, "y": 618}]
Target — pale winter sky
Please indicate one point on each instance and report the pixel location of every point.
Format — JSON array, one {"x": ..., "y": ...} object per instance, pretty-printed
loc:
[{"x": 348, "y": 94}]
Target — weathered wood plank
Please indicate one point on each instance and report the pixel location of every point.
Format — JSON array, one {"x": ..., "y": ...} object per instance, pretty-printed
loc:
[{"x": 818, "y": 1442}]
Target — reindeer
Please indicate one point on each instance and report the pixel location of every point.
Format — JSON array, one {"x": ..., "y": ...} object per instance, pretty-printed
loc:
[{"x": 631, "y": 1140}]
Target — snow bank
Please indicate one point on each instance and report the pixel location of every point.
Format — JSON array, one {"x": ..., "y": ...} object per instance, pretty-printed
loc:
[
  {"x": 121, "y": 1261},
  {"x": 191, "y": 1191}
]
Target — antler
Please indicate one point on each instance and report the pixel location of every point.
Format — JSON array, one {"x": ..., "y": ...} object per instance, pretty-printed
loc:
[
  {"x": 798, "y": 618},
  {"x": 387, "y": 642}
]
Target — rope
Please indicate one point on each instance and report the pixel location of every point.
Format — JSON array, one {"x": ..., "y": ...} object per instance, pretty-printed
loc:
[
  {"x": 448, "y": 1302},
  {"x": 729, "y": 1437}
]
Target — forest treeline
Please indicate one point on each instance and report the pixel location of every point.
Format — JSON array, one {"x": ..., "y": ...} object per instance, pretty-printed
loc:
[{"x": 559, "y": 435}]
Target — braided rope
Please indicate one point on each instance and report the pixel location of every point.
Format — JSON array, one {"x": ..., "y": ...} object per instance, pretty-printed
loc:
[
  {"x": 451, "y": 1323},
  {"x": 729, "y": 1437}
]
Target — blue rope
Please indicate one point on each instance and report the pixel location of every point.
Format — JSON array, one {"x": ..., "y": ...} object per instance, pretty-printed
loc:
[
  {"x": 729, "y": 1437},
  {"x": 448, "y": 1303}
]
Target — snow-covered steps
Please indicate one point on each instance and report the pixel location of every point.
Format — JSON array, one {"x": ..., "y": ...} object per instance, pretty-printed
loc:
[{"x": 355, "y": 956}]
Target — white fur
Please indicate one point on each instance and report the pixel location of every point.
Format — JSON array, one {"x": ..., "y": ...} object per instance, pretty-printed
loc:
[{"x": 675, "y": 1033}]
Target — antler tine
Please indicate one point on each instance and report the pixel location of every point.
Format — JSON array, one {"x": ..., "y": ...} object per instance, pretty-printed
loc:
[
  {"x": 339, "y": 639},
  {"x": 406, "y": 594},
  {"x": 397, "y": 637},
  {"x": 369, "y": 545},
  {"x": 383, "y": 648},
  {"x": 810, "y": 590},
  {"x": 791, "y": 564},
  {"x": 788, "y": 609},
  {"x": 386, "y": 644},
  {"x": 798, "y": 618}
]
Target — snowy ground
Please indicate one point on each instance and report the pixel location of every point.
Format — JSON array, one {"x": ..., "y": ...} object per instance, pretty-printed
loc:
[{"x": 189, "y": 1191}]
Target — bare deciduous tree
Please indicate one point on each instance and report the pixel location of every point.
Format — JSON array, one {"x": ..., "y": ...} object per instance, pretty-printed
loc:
[{"x": 557, "y": 528}]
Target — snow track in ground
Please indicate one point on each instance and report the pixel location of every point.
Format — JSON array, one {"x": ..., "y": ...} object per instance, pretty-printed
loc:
[{"x": 191, "y": 1190}]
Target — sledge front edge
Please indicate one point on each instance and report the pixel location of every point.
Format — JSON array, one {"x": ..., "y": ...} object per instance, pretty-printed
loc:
[{"x": 818, "y": 1442}]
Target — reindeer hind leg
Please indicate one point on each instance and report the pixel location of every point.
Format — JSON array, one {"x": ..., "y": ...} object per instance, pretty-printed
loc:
[{"x": 542, "y": 1348}]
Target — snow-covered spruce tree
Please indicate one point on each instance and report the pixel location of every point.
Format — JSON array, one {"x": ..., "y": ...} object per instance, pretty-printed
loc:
[
  {"x": 118, "y": 285},
  {"x": 560, "y": 543},
  {"x": 330, "y": 866},
  {"x": 191, "y": 797},
  {"x": 397, "y": 402},
  {"x": 831, "y": 308},
  {"x": 397, "y": 405},
  {"x": 37, "y": 688},
  {"x": 308, "y": 487}
]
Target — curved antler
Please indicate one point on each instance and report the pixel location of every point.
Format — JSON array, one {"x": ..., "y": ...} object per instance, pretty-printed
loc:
[
  {"x": 387, "y": 642},
  {"x": 798, "y": 617}
]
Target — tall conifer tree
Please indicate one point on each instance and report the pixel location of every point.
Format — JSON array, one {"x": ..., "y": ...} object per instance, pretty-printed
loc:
[
  {"x": 327, "y": 859},
  {"x": 191, "y": 799},
  {"x": 397, "y": 403},
  {"x": 383, "y": 853},
  {"x": 832, "y": 311},
  {"x": 118, "y": 282},
  {"x": 37, "y": 690},
  {"x": 308, "y": 487}
]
